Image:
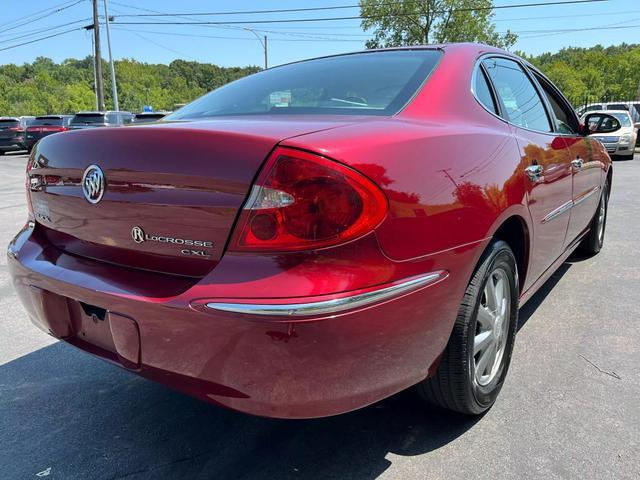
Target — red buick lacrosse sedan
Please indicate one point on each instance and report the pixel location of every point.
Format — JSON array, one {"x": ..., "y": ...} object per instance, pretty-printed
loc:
[{"x": 320, "y": 235}]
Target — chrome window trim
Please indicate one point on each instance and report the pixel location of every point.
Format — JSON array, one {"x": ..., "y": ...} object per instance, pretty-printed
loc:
[{"x": 330, "y": 306}]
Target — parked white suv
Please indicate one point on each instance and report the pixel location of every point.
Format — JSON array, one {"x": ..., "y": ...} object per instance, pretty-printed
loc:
[{"x": 621, "y": 142}]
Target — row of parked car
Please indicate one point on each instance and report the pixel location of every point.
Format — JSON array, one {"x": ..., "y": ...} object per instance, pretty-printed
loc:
[{"x": 22, "y": 133}]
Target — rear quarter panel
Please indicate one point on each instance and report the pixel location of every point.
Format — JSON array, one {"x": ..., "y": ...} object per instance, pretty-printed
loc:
[{"x": 448, "y": 183}]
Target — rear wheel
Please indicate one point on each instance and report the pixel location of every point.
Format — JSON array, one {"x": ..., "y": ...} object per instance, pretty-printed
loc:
[
  {"x": 592, "y": 243},
  {"x": 475, "y": 362}
]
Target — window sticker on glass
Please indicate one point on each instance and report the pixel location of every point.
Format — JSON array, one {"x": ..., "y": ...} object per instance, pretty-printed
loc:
[{"x": 280, "y": 99}]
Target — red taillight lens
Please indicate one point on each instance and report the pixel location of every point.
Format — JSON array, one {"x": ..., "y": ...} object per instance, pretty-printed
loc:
[{"x": 302, "y": 201}]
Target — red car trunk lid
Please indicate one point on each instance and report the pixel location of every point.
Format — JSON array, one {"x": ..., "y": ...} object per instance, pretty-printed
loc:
[{"x": 171, "y": 192}]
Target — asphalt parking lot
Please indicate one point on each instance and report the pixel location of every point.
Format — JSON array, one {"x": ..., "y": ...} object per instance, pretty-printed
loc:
[{"x": 570, "y": 408}]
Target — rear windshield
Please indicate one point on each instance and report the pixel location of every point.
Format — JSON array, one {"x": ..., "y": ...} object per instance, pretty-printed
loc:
[
  {"x": 47, "y": 121},
  {"x": 83, "y": 118},
  {"x": 143, "y": 118},
  {"x": 9, "y": 123},
  {"x": 374, "y": 83}
]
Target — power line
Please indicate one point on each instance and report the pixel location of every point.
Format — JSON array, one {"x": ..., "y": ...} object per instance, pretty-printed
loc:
[
  {"x": 246, "y": 12},
  {"x": 157, "y": 44},
  {"x": 49, "y": 13},
  {"x": 33, "y": 14},
  {"x": 42, "y": 38},
  {"x": 399, "y": 14},
  {"x": 338, "y": 7},
  {"x": 41, "y": 30},
  {"x": 221, "y": 37}
]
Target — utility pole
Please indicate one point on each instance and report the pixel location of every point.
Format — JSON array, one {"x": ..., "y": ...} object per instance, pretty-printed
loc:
[
  {"x": 114, "y": 88},
  {"x": 93, "y": 51},
  {"x": 263, "y": 43},
  {"x": 266, "y": 63},
  {"x": 97, "y": 58}
]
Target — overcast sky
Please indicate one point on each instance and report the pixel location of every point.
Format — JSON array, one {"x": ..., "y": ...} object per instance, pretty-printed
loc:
[{"x": 230, "y": 45}]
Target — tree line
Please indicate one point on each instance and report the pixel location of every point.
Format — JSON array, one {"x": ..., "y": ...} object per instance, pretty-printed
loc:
[
  {"x": 44, "y": 86},
  {"x": 593, "y": 74}
]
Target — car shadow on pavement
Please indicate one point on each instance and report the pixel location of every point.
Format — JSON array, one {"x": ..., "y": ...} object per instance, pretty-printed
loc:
[
  {"x": 529, "y": 308},
  {"x": 82, "y": 418}
]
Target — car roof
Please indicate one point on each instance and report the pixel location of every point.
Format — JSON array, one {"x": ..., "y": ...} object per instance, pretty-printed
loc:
[
  {"x": 53, "y": 115},
  {"x": 98, "y": 112},
  {"x": 468, "y": 46},
  {"x": 608, "y": 111}
]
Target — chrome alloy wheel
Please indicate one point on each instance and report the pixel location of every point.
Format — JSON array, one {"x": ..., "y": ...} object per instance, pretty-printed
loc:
[
  {"x": 602, "y": 213},
  {"x": 492, "y": 327}
]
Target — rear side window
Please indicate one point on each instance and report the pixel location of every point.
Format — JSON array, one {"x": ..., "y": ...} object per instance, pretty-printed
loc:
[
  {"x": 483, "y": 91},
  {"x": 523, "y": 106},
  {"x": 374, "y": 83},
  {"x": 87, "y": 118},
  {"x": 593, "y": 108},
  {"x": 563, "y": 117},
  {"x": 47, "y": 121}
]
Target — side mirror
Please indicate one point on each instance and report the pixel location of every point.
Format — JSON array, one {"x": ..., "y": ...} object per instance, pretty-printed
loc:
[{"x": 600, "y": 123}]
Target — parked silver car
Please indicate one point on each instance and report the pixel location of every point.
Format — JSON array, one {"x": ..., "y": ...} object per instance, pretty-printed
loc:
[
  {"x": 620, "y": 142},
  {"x": 100, "y": 119}
]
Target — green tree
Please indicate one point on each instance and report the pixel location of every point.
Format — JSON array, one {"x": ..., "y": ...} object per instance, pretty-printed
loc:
[
  {"x": 593, "y": 74},
  {"x": 44, "y": 86},
  {"x": 411, "y": 22}
]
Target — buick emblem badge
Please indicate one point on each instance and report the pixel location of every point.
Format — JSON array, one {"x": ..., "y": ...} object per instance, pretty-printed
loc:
[
  {"x": 137, "y": 234},
  {"x": 93, "y": 184}
]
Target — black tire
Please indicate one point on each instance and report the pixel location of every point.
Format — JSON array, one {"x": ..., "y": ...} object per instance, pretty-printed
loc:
[
  {"x": 454, "y": 386},
  {"x": 592, "y": 243}
]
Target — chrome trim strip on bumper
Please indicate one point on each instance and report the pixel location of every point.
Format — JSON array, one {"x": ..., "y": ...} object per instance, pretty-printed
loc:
[
  {"x": 330, "y": 306},
  {"x": 565, "y": 207}
]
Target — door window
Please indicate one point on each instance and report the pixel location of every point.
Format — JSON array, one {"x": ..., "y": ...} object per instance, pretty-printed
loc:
[{"x": 522, "y": 104}]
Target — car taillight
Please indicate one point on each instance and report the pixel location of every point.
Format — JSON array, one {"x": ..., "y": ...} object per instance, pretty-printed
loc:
[{"x": 303, "y": 201}]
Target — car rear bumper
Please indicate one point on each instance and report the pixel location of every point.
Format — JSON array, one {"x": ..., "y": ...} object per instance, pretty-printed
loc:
[
  {"x": 268, "y": 365},
  {"x": 11, "y": 144}
]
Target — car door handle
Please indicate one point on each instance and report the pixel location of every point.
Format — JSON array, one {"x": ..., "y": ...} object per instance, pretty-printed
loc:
[
  {"x": 577, "y": 163},
  {"x": 534, "y": 172}
]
